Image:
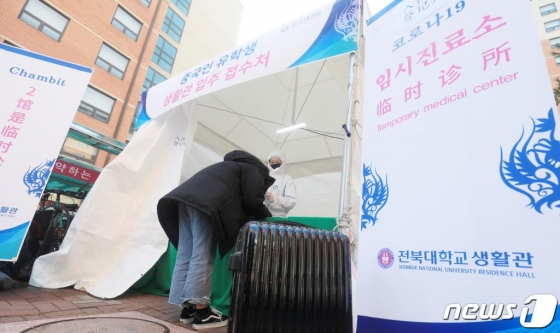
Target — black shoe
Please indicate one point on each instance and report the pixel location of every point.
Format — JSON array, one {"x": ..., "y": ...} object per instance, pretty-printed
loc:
[
  {"x": 208, "y": 318},
  {"x": 187, "y": 315}
]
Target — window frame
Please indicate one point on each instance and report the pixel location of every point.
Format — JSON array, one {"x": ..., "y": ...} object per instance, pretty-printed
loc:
[
  {"x": 78, "y": 157},
  {"x": 125, "y": 27},
  {"x": 151, "y": 81},
  {"x": 548, "y": 11},
  {"x": 158, "y": 54},
  {"x": 166, "y": 27},
  {"x": 97, "y": 110},
  {"x": 179, "y": 3},
  {"x": 111, "y": 66},
  {"x": 143, "y": 2},
  {"x": 43, "y": 24},
  {"x": 555, "y": 45},
  {"x": 554, "y": 28}
]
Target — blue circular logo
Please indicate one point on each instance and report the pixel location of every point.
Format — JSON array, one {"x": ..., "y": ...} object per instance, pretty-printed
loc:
[{"x": 385, "y": 258}]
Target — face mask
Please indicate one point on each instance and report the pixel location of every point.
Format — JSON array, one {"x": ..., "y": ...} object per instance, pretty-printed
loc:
[{"x": 275, "y": 166}]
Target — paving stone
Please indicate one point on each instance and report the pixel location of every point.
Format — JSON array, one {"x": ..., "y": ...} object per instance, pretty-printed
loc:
[
  {"x": 113, "y": 302},
  {"x": 88, "y": 301},
  {"x": 65, "y": 305},
  {"x": 37, "y": 317},
  {"x": 44, "y": 302},
  {"x": 18, "y": 307},
  {"x": 7, "y": 295},
  {"x": 14, "y": 312},
  {"x": 65, "y": 313},
  {"x": 18, "y": 302},
  {"x": 85, "y": 297},
  {"x": 92, "y": 311},
  {"x": 89, "y": 305},
  {"x": 44, "y": 308},
  {"x": 132, "y": 307},
  {"x": 107, "y": 309},
  {"x": 153, "y": 313},
  {"x": 12, "y": 319}
]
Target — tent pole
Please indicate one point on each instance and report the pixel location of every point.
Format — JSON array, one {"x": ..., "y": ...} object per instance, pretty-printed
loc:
[
  {"x": 347, "y": 141},
  {"x": 295, "y": 97}
]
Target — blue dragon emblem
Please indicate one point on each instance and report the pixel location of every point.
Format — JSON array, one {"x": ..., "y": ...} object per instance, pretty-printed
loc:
[
  {"x": 35, "y": 179},
  {"x": 347, "y": 21},
  {"x": 375, "y": 193},
  {"x": 533, "y": 166}
]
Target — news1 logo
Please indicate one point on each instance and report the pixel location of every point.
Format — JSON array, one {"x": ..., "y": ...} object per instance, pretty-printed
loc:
[{"x": 544, "y": 308}]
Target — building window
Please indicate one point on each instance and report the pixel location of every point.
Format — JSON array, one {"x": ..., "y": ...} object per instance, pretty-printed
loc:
[
  {"x": 44, "y": 18},
  {"x": 146, "y": 2},
  {"x": 164, "y": 54},
  {"x": 112, "y": 61},
  {"x": 78, "y": 150},
  {"x": 552, "y": 25},
  {"x": 152, "y": 78},
  {"x": 126, "y": 23},
  {"x": 550, "y": 8},
  {"x": 96, "y": 104},
  {"x": 557, "y": 58},
  {"x": 183, "y": 5},
  {"x": 555, "y": 43},
  {"x": 173, "y": 25}
]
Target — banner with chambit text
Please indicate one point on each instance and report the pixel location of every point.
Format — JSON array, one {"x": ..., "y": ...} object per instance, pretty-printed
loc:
[
  {"x": 461, "y": 167},
  {"x": 328, "y": 31},
  {"x": 39, "y": 97}
]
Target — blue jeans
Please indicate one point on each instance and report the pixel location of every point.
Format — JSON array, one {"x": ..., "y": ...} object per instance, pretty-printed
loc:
[{"x": 192, "y": 276}]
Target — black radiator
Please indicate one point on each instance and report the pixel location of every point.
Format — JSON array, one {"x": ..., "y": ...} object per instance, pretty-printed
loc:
[{"x": 290, "y": 279}]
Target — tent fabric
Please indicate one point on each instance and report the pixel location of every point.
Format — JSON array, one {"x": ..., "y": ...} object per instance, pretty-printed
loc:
[
  {"x": 250, "y": 113},
  {"x": 115, "y": 237}
]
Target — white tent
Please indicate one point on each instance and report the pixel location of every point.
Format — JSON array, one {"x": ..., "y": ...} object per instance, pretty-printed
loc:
[
  {"x": 250, "y": 113},
  {"x": 120, "y": 211}
]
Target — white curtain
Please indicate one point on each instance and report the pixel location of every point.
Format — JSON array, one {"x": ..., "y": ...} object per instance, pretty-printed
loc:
[{"x": 116, "y": 238}]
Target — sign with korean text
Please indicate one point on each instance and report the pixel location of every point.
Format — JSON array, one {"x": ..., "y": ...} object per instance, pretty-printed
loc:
[
  {"x": 461, "y": 168},
  {"x": 326, "y": 32},
  {"x": 75, "y": 171},
  {"x": 39, "y": 97}
]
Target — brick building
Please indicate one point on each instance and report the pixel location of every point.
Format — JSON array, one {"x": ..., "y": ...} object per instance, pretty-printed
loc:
[
  {"x": 131, "y": 45},
  {"x": 548, "y": 24}
]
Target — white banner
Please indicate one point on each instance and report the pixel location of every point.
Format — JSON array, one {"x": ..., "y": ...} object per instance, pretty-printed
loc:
[
  {"x": 326, "y": 32},
  {"x": 461, "y": 169},
  {"x": 39, "y": 97}
]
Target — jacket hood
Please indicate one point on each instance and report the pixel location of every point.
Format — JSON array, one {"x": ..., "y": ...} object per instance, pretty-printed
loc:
[
  {"x": 244, "y": 157},
  {"x": 282, "y": 157}
]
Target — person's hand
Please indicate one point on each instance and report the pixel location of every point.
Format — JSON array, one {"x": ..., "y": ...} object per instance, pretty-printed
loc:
[{"x": 269, "y": 197}]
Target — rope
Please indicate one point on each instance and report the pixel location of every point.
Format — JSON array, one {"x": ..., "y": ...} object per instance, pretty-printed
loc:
[{"x": 344, "y": 226}]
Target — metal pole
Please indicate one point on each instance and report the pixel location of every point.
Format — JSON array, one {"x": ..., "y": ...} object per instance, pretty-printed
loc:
[
  {"x": 295, "y": 97},
  {"x": 347, "y": 140}
]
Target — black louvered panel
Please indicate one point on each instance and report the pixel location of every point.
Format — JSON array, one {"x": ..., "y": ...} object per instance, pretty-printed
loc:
[{"x": 290, "y": 279}]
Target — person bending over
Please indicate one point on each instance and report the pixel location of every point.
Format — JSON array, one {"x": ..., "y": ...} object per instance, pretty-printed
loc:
[{"x": 207, "y": 210}]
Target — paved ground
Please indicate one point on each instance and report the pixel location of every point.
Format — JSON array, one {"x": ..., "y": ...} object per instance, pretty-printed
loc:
[{"x": 26, "y": 303}]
